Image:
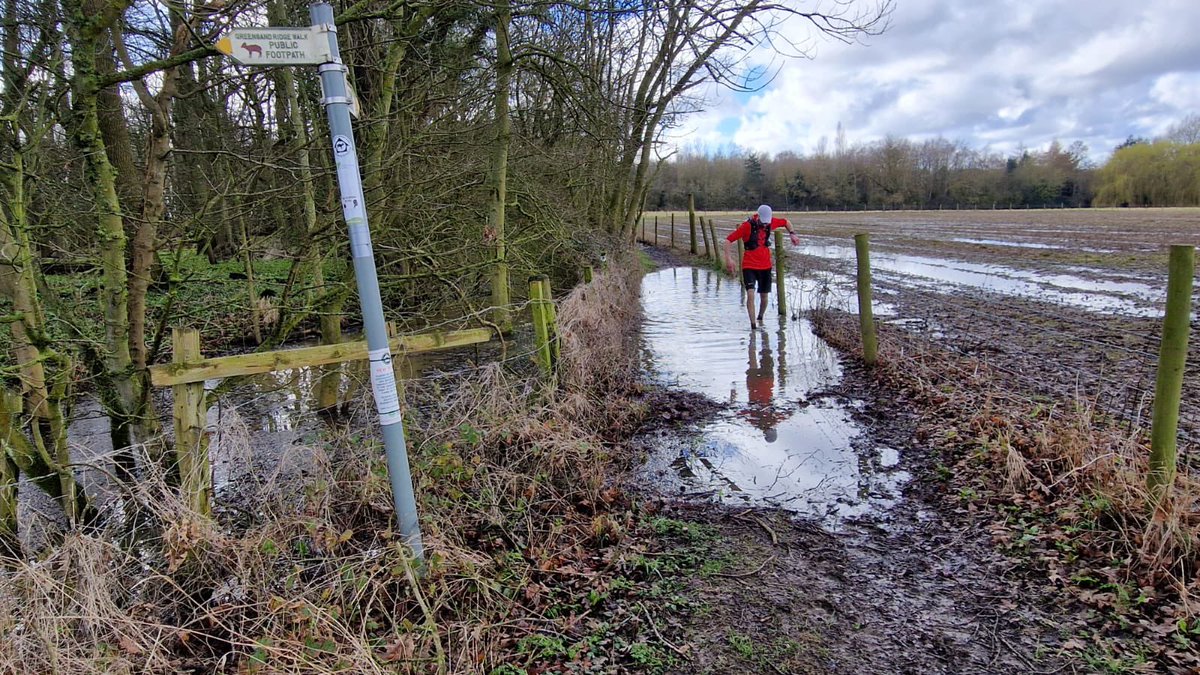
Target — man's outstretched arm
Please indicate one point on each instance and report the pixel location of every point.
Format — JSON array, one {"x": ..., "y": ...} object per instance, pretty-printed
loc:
[{"x": 788, "y": 224}]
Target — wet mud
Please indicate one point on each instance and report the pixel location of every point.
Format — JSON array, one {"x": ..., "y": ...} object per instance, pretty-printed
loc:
[
  {"x": 915, "y": 588},
  {"x": 844, "y": 558}
]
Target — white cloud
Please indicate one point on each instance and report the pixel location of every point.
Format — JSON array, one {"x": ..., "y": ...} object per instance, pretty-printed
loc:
[{"x": 999, "y": 75}]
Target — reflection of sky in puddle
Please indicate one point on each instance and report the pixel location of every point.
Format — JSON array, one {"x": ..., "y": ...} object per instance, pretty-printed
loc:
[
  {"x": 774, "y": 446},
  {"x": 1104, "y": 295},
  {"x": 699, "y": 336},
  {"x": 257, "y": 428},
  {"x": 806, "y": 464}
]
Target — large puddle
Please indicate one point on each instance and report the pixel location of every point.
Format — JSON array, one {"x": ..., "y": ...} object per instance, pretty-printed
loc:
[{"x": 782, "y": 441}]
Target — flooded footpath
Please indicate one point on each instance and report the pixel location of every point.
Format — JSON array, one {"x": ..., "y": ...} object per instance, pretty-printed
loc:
[
  {"x": 844, "y": 555},
  {"x": 784, "y": 440}
]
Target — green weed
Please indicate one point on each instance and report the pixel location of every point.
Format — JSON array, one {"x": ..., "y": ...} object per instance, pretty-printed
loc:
[{"x": 741, "y": 644}]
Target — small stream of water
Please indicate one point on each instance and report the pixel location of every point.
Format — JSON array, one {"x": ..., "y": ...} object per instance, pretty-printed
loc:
[{"x": 782, "y": 441}]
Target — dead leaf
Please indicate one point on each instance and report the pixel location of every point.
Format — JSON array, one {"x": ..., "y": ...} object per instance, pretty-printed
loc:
[
  {"x": 400, "y": 649},
  {"x": 128, "y": 645}
]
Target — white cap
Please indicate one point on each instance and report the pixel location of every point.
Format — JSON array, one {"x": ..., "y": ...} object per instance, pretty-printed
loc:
[{"x": 764, "y": 214}]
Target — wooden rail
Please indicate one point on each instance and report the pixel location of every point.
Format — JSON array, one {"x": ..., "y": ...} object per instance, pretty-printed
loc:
[{"x": 264, "y": 362}]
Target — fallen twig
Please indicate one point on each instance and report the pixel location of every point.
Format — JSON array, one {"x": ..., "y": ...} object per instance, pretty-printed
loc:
[
  {"x": 746, "y": 574},
  {"x": 763, "y": 523},
  {"x": 653, "y": 627}
]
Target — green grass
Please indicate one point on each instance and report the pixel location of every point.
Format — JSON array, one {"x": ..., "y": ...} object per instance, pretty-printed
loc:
[
  {"x": 742, "y": 645},
  {"x": 206, "y": 296}
]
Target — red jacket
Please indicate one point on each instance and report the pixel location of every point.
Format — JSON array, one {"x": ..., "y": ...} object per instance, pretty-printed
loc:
[{"x": 759, "y": 258}]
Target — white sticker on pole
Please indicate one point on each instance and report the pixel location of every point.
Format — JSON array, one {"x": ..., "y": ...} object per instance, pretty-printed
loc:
[
  {"x": 345, "y": 159},
  {"x": 383, "y": 385},
  {"x": 352, "y": 208}
]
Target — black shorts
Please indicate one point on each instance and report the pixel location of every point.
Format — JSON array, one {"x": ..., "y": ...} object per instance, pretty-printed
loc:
[{"x": 760, "y": 277}]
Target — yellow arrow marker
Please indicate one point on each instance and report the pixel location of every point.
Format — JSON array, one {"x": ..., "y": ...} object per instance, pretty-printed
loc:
[{"x": 225, "y": 46}]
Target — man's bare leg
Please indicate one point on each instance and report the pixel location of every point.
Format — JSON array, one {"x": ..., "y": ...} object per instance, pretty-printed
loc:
[
  {"x": 762, "y": 305},
  {"x": 750, "y": 306}
]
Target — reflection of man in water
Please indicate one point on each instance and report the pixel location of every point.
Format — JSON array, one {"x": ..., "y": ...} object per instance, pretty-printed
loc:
[{"x": 760, "y": 388}]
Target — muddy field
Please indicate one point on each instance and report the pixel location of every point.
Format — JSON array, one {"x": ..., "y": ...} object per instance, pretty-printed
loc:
[
  {"x": 1066, "y": 302},
  {"x": 1131, "y": 241},
  {"x": 859, "y": 547}
]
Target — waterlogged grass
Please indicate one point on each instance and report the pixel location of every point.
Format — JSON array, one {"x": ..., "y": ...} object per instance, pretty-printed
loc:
[
  {"x": 212, "y": 297},
  {"x": 533, "y": 559}
]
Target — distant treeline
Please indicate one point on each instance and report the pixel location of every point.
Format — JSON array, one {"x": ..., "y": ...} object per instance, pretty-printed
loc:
[{"x": 898, "y": 173}]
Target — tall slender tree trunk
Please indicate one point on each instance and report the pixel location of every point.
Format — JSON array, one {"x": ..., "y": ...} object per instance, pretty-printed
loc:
[
  {"x": 501, "y": 315},
  {"x": 308, "y": 270},
  {"x": 45, "y": 459},
  {"x": 145, "y": 241},
  {"x": 18, "y": 281},
  {"x": 86, "y": 28},
  {"x": 256, "y": 318},
  {"x": 114, "y": 128}
]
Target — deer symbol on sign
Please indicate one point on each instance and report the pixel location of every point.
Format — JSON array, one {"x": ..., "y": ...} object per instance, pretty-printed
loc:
[{"x": 252, "y": 50}]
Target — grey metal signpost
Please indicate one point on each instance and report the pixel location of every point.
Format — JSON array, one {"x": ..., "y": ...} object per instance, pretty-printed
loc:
[{"x": 293, "y": 48}]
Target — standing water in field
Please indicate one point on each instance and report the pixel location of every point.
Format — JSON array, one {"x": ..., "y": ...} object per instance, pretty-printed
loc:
[{"x": 782, "y": 440}]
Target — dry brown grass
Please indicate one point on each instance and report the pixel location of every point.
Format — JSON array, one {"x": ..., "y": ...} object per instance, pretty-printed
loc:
[
  {"x": 1079, "y": 473},
  {"x": 514, "y": 479}
]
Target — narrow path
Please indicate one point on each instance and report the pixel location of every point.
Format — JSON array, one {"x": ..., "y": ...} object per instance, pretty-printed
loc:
[
  {"x": 917, "y": 589},
  {"x": 875, "y": 569}
]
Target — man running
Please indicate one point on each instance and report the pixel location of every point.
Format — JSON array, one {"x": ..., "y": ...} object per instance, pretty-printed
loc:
[{"x": 756, "y": 263}]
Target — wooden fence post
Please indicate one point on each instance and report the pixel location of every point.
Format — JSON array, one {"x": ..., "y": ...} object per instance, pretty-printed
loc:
[
  {"x": 672, "y": 229},
  {"x": 780, "y": 271},
  {"x": 190, "y": 412},
  {"x": 543, "y": 353},
  {"x": 329, "y": 388},
  {"x": 692, "y": 221},
  {"x": 704, "y": 235},
  {"x": 712, "y": 234},
  {"x": 656, "y": 230},
  {"x": 866, "y": 318},
  {"x": 551, "y": 324},
  {"x": 718, "y": 249},
  {"x": 402, "y": 364},
  {"x": 1172, "y": 358},
  {"x": 643, "y": 229}
]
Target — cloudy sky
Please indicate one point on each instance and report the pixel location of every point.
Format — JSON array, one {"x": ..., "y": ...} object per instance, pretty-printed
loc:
[{"x": 996, "y": 74}]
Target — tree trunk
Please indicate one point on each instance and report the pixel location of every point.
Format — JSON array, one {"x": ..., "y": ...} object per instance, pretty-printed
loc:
[
  {"x": 18, "y": 280},
  {"x": 114, "y": 128},
  {"x": 46, "y": 460},
  {"x": 85, "y": 29},
  {"x": 501, "y": 315}
]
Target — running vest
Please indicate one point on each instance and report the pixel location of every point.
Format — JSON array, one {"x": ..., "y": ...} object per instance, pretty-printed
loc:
[{"x": 757, "y": 226}]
